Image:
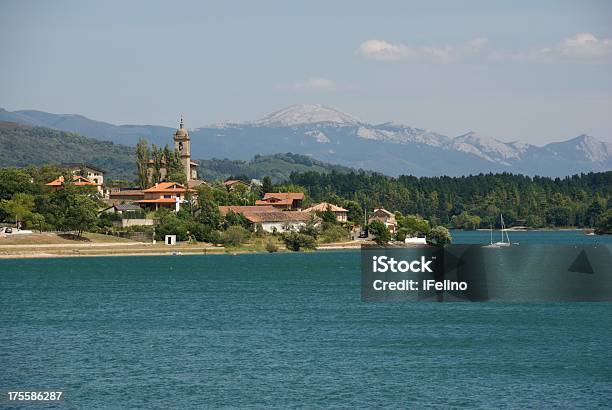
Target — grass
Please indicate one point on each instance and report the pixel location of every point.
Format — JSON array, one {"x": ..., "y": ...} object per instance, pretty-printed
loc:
[{"x": 47, "y": 238}]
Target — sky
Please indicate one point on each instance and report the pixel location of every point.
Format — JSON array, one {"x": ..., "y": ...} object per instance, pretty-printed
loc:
[{"x": 533, "y": 71}]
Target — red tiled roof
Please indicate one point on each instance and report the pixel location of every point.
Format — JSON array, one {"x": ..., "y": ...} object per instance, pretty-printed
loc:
[
  {"x": 231, "y": 182},
  {"x": 241, "y": 209},
  {"x": 167, "y": 187},
  {"x": 278, "y": 216},
  {"x": 157, "y": 201},
  {"x": 271, "y": 201},
  {"x": 284, "y": 195},
  {"x": 258, "y": 214},
  {"x": 126, "y": 192},
  {"x": 323, "y": 207},
  {"x": 76, "y": 179}
]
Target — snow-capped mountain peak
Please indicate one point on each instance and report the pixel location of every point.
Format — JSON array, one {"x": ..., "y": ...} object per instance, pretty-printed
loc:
[
  {"x": 307, "y": 114},
  {"x": 592, "y": 148},
  {"x": 487, "y": 147}
]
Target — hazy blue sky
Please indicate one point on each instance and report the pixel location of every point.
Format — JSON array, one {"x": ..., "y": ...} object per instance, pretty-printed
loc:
[{"x": 535, "y": 71}]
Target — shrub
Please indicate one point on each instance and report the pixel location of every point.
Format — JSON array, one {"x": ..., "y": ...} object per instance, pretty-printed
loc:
[
  {"x": 295, "y": 241},
  {"x": 380, "y": 232},
  {"x": 213, "y": 236},
  {"x": 334, "y": 233},
  {"x": 235, "y": 236},
  {"x": 439, "y": 236},
  {"x": 271, "y": 246},
  {"x": 400, "y": 234}
]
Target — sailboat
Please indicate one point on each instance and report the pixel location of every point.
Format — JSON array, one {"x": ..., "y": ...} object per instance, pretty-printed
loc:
[{"x": 505, "y": 239}]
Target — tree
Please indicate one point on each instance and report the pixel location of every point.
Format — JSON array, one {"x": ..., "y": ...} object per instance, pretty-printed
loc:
[
  {"x": 534, "y": 221},
  {"x": 236, "y": 219},
  {"x": 171, "y": 224},
  {"x": 19, "y": 206},
  {"x": 466, "y": 221},
  {"x": 177, "y": 176},
  {"x": 295, "y": 241},
  {"x": 36, "y": 220},
  {"x": 328, "y": 216},
  {"x": 142, "y": 163},
  {"x": 594, "y": 213},
  {"x": 401, "y": 234},
  {"x": 605, "y": 223},
  {"x": 173, "y": 159},
  {"x": 81, "y": 214},
  {"x": 157, "y": 156},
  {"x": 414, "y": 225},
  {"x": 267, "y": 185},
  {"x": 439, "y": 236},
  {"x": 355, "y": 213},
  {"x": 310, "y": 228},
  {"x": 14, "y": 180},
  {"x": 380, "y": 231},
  {"x": 209, "y": 214}
]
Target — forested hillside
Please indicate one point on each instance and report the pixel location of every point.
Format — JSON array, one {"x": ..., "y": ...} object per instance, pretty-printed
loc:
[
  {"x": 23, "y": 145},
  {"x": 277, "y": 166},
  {"x": 472, "y": 201}
]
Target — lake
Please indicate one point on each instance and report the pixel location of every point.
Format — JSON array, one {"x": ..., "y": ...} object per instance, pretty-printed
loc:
[{"x": 286, "y": 330}]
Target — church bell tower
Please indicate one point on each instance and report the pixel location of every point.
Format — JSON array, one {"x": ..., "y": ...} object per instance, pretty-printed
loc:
[{"x": 181, "y": 145}]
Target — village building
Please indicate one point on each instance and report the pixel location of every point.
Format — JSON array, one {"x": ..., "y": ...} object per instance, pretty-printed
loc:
[
  {"x": 123, "y": 209},
  {"x": 182, "y": 145},
  {"x": 194, "y": 183},
  {"x": 386, "y": 217},
  {"x": 232, "y": 184},
  {"x": 291, "y": 201},
  {"x": 169, "y": 195},
  {"x": 125, "y": 195},
  {"x": 341, "y": 213},
  {"x": 270, "y": 218},
  {"x": 91, "y": 172},
  {"x": 77, "y": 180}
]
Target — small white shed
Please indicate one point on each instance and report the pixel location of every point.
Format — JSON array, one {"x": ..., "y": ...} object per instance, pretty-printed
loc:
[{"x": 170, "y": 240}]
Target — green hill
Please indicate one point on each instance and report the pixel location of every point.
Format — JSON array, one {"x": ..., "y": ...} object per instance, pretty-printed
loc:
[
  {"x": 278, "y": 166},
  {"x": 22, "y": 145}
]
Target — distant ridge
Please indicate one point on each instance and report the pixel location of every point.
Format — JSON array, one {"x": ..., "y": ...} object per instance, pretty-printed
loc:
[
  {"x": 23, "y": 145},
  {"x": 332, "y": 136}
]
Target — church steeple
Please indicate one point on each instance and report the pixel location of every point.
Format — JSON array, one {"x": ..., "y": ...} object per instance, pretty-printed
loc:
[{"x": 181, "y": 145}]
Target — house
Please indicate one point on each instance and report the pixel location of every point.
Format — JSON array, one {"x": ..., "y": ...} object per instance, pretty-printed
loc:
[
  {"x": 270, "y": 218},
  {"x": 125, "y": 209},
  {"x": 232, "y": 184},
  {"x": 125, "y": 195},
  {"x": 386, "y": 217},
  {"x": 77, "y": 180},
  {"x": 168, "y": 195},
  {"x": 88, "y": 171},
  {"x": 282, "y": 200},
  {"x": 341, "y": 213},
  {"x": 194, "y": 183}
]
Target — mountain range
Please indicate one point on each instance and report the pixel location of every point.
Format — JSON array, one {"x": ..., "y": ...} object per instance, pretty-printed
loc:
[
  {"x": 23, "y": 145},
  {"x": 330, "y": 135}
]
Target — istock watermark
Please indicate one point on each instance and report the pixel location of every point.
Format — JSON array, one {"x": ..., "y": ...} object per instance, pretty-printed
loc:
[{"x": 480, "y": 273}]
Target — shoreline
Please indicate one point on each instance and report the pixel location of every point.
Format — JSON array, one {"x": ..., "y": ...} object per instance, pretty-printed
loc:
[{"x": 130, "y": 248}]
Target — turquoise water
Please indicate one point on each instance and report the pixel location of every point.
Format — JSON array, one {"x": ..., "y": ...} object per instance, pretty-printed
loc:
[
  {"x": 283, "y": 330},
  {"x": 531, "y": 237}
]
